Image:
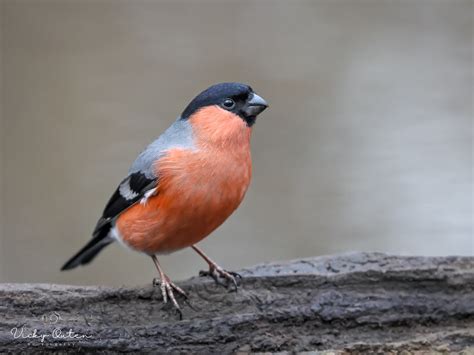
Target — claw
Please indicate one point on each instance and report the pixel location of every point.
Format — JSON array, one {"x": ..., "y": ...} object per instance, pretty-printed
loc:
[
  {"x": 180, "y": 313},
  {"x": 167, "y": 288},
  {"x": 179, "y": 290},
  {"x": 235, "y": 274},
  {"x": 217, "y": 272},
  {"x": 167, "y": 292},
  {"x": 212, "y": 273}
]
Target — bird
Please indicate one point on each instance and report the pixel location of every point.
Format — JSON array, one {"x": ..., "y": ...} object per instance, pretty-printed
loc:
[{"x": 184, "y": 185}]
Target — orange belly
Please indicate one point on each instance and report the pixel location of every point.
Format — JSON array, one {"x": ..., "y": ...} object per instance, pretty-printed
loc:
[{"x": 197, "y": 192}]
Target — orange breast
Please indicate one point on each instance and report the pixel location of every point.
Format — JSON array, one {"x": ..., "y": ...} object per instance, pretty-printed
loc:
[{"x": 198, "y": 189}]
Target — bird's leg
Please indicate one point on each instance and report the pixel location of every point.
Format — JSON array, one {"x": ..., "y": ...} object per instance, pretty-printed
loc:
[
  {"x": 167, "y": 286},
  {"x": 215, "y": 271}
]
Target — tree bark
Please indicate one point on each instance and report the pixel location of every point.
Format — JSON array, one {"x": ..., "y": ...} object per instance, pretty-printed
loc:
[{"x": 359, "y": 302}]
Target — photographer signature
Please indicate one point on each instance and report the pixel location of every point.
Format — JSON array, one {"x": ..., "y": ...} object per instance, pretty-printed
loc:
[{"x": 56, "y": 333}]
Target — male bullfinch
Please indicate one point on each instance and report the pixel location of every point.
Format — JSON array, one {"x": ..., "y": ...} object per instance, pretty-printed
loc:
[{"x": 185, "y": 184}]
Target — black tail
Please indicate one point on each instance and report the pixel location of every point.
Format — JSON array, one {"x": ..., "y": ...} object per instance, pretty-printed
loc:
[{"x": 89, "y": 252}]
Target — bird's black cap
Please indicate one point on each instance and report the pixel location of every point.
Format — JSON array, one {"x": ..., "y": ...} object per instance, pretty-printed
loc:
[{"x": 234, "y": 97}]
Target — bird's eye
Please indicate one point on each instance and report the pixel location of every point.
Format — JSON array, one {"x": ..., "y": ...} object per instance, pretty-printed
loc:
[{"x": 228, "y": 103}]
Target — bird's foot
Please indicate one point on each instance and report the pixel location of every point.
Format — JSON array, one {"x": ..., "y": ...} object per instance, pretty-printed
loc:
[
  {"x": 217, "y": 273},
  {"x": 167, "y": 291}
]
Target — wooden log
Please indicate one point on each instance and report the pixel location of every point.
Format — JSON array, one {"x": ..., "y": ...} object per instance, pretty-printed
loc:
[{"x": 358, "y": 302}]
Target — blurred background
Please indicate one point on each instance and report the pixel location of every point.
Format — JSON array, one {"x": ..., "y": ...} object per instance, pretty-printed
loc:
[{"x": 367, "y": 144}]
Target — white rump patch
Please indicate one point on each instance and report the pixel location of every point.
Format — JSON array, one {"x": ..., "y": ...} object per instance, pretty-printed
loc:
[{"x": 126, "y": 192}]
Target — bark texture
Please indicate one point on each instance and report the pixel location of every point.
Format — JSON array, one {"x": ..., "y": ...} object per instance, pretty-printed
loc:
[{"x": 359, "y": 302}]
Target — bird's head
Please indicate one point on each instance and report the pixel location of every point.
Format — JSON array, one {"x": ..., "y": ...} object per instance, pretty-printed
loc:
[{"x": 227, "y": 100}]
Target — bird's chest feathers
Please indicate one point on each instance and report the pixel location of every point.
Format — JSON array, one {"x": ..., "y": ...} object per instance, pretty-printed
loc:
[
  {"x": 216, "y": 174},
  {"x": 223, "y": 177},
  {"x": 206, "y": 181}
]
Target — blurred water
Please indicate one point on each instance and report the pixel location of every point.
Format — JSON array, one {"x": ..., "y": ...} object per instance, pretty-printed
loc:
[{"x": 367, "y": 144}]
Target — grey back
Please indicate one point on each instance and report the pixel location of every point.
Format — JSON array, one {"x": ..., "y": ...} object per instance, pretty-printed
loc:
[{"x": 178, "y": 135}]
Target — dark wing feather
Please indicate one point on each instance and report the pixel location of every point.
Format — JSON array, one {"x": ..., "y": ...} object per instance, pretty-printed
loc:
[{"x": 131, "y": 190}]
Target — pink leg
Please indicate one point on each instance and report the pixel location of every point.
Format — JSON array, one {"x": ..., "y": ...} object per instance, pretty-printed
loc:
[
  {"x": 167, "y": 286},
  {"x": 215, "y": 271}
]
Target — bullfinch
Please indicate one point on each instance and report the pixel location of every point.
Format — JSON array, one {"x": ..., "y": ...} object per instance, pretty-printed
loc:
[{"x": 185, "y": 184}]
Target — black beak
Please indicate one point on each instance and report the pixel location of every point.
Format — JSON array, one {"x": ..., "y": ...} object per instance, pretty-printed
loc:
[{"x": 255, "y": 105}]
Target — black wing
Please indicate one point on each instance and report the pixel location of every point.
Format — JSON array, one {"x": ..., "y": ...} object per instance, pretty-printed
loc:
[{"x": 132, "y": 189}]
